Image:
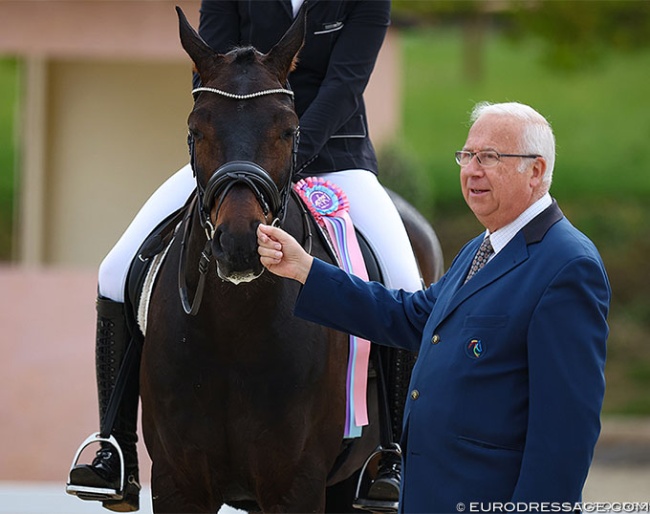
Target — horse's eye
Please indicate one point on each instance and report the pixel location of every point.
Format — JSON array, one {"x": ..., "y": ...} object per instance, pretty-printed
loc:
[
  {"x": 195, "y": 133},
  {"x": 288, "y": 133},
  {"x": 194, "y": 129}
]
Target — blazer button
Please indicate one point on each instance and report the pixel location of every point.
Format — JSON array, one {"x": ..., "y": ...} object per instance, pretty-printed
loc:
[
  {"x": 415, "y": 394},
  {"x": 435, "y": 339}
]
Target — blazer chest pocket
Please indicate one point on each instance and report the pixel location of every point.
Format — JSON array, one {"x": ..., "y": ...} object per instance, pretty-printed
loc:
[
  {"x": 498, "y": 321},
  {"x": 328, "y": 27},
  {"x": 482, "y": 336},
  {"x": 354, "y": 127}
]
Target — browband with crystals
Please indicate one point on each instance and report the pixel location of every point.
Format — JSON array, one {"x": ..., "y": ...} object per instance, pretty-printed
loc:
[{"x": 243, "y": 97}]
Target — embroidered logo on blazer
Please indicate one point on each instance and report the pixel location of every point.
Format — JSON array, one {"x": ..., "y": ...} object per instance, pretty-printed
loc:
[{"x": 474, "y": 348}]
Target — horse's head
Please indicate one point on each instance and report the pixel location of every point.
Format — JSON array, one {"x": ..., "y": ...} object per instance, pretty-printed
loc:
[{"x": 243, "y": 133}]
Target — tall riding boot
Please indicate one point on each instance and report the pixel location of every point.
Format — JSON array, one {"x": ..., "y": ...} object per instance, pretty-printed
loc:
[
  {"x": 397, "y": 366},
  {"x": 113, "y": 340}
]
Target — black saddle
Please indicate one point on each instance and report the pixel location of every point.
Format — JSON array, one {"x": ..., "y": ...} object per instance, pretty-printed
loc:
[{"x": 155, "y": 243}]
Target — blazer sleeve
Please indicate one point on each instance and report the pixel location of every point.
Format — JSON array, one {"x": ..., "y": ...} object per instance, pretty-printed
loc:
[
  {"x": 351, "y": 63},
  {"x": 566, "y": 353},
  {"x": 336, "y": 299},
  {"x": 219, "y": 26}
]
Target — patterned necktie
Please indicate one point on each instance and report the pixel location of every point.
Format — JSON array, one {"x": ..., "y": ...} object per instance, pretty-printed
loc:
[{"x": 481, "y": 257}]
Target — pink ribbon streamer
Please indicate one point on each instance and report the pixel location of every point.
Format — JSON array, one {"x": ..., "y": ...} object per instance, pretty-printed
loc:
[
  {"x": 329, "y": 205},
  {"x": 341, "y": 231}
]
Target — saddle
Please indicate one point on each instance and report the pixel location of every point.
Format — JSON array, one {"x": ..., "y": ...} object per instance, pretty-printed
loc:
[{"x": 150, "y": 252}]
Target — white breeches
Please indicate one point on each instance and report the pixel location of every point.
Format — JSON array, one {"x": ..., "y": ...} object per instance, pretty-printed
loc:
[
  {"x": 169, "y": 197},
  {"x": 371, "y": 210},
  {"x": 374, "y": 214}
]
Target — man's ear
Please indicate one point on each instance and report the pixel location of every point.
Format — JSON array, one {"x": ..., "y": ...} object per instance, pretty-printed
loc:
[{"x": 538, "y": 171}]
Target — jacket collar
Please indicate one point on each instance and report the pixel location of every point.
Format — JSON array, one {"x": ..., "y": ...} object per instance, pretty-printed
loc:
[
  {"x": 514, "y": 253},
  {"x": 535, "y": 231}
]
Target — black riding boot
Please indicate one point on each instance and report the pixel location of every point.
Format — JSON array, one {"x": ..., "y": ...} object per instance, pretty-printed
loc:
[
  {"x": 397, "y": 366},
  {"x": 113, "y": 339},
  {"x": 385, "y": 487}
]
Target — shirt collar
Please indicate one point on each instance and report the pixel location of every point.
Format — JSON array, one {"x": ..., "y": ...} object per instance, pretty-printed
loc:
[{"x": 500, "y": 238}]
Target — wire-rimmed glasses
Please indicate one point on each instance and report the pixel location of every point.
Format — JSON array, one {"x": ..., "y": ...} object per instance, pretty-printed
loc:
[{"x": 487, "y": 158}]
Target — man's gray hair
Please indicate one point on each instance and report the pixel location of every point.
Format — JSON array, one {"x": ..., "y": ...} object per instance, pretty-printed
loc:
[{"x": 537, "y": 137}]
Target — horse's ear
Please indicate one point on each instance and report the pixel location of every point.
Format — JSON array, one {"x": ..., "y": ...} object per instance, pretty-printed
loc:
[
  {"x": 282, "y": 58},
  {"x": 199, "y": 51}
]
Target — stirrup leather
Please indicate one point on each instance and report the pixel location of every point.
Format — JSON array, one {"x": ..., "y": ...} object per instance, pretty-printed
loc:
[
  {"x": 97, "y": 493},
  {"x": 375, "y": 505}
]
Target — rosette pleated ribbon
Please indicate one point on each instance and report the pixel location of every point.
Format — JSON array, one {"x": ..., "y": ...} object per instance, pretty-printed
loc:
[{"x": 330, "y": 207}]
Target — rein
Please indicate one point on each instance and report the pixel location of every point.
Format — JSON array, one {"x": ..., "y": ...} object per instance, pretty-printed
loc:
[{"x": 272, "y": 200}]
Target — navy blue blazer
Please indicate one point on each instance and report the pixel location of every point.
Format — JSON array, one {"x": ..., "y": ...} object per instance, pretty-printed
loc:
[
  {"x": 505, "y": 397},
  {"x": 342, "y": 41}
]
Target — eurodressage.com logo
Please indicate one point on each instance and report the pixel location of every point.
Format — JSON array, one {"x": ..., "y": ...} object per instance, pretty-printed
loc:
[{"x": 597, "y": 507}]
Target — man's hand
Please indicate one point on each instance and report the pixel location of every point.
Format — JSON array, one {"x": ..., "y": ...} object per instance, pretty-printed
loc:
[{"x": 281, "y": 254}]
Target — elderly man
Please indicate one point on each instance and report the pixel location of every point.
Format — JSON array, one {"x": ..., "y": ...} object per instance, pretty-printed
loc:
[{"x": 505, "y": 398}]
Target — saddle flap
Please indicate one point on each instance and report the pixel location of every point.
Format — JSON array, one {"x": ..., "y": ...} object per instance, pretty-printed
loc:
[{"x": 157, "y": 241}]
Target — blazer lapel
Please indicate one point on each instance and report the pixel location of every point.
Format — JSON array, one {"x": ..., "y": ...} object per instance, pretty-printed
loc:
[
  {"x": 514, "y": 253},
  {"x": 288, "y": 7}
]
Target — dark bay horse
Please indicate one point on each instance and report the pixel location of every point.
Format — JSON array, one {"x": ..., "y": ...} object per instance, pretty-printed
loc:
[{"x": 242, "y": 403}]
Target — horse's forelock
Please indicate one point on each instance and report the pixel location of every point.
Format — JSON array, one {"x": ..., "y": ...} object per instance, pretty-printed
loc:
[
  {"x": 227, "y": 73},
  {"x": 244, "y": 55},
  {"x": 224, "y": 72}
]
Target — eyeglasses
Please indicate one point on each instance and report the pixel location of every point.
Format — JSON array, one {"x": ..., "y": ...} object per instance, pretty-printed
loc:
[{"x": 487, "y": 158}]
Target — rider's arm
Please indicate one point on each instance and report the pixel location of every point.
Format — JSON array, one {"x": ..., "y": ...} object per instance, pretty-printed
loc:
[
  {"x": 219, "y": 26},
  {"x": 351, "y": 62}
]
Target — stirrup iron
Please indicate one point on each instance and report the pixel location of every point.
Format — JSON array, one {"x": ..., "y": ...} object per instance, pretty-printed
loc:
[
  {"x": 97, "y": 493},
  {"x": 375, "y": 505}
]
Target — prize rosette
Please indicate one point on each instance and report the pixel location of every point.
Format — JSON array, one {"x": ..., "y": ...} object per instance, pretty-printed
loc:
[
  {"x": 322, "y": 197},
  {"x": 329, "y": 205}
]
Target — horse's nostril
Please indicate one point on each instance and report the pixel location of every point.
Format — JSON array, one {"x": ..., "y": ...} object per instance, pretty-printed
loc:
[{"x": 217, "y": 244}]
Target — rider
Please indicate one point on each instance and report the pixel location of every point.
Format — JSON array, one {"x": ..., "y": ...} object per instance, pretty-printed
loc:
[{"x": 342, "y": 41}]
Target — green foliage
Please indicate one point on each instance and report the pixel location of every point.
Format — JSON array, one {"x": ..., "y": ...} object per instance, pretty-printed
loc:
[
  {"x": 8, "y": 96},
  {"x": 578, "y": 33},
  {"x": 424, "y": 11},
  {"x": 574, "y": 34}
]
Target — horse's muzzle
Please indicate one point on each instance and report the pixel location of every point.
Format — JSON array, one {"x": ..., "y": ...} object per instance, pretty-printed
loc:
[
  {"x": 237, "y": 277},
  {"x": 236, "y": 256}
]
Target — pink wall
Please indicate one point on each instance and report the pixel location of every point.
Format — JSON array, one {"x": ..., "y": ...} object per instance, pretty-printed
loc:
[
  {"x": 94, "y": 28},
  {"x": 47, "y": 371}
]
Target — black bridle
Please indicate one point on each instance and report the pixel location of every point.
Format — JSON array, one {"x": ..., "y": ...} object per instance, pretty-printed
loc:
[{"x": 272, "y": 200}]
